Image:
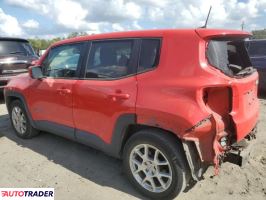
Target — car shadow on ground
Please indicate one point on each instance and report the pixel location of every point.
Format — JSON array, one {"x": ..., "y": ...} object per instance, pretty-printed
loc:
[{"x": 82, "y": 160}]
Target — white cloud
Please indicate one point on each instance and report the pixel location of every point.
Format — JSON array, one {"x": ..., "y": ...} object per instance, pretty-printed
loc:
[
  {"x": 31, "y": 24},
  {"x": 70, "y": 14},
  {"x": 83, "y": 15},
  {"x": 117, "y": 15},
  {"x": 117, "y": 27},
  {"x": 9, "y": 25}
]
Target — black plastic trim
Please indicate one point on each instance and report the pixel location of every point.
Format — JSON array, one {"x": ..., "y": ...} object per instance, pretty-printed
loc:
[
  {"x": 114, "y": 148},
  {"x": 9, "y": 94},
  {"x": 91, "y": 139},
  {"x": 57, "y": 129}
]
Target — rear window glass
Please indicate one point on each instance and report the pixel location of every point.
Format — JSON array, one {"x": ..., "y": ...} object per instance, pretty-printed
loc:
[
  {"x": 150, "y": 53},
  {"x": 257, "y": 48},
  {"x": 15, "y": 47},
  {"x": 229, "y": 56}
]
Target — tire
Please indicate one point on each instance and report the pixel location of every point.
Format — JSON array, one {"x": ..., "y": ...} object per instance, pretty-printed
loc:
[
  {"x": 20, "y": 121},
  {"x": 170, "y": 153}
]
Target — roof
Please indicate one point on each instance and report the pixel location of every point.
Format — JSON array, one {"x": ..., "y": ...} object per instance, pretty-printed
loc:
[
  {"x": 204, "y": 33},
  {"x": 13, "y": 39}
]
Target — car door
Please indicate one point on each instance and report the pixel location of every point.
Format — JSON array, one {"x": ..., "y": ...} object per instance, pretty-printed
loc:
[
  {"x": 51, "y": 98},
  {"x": 106, "y": 96}
]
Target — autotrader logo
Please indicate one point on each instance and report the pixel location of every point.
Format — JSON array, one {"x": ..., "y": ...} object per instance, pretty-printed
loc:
[{"x": 26, "y": 193}]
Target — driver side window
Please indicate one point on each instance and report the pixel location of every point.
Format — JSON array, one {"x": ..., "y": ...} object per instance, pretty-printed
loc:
[{"x": 62, "y": 61}]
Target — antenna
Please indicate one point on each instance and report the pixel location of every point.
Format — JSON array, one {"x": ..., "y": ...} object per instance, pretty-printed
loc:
[
  {"x": 242, "y": 25},
  {"x": 206, "y": 22}
]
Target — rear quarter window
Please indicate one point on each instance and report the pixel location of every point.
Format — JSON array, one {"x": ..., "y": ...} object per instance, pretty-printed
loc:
[{"x": 149, "y": 54}]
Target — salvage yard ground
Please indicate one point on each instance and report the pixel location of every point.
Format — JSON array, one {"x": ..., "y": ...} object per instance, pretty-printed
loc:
[{"x": 80, "y": 172}]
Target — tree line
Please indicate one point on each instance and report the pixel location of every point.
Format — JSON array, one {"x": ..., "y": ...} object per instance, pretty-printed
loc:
[
  {"x": 259, "y": 34},
  {"x": 40, "y": 44}
]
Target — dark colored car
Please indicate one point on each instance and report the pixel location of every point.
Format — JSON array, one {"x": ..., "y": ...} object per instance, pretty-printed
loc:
[
  {"x": 167, "y": 102},
  {"x": 16, "y": 55},
  {"x": 257, "y": 53}
]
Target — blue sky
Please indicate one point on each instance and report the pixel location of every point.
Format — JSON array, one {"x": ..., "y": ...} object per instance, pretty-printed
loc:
[{"x": 52, "y": 18}]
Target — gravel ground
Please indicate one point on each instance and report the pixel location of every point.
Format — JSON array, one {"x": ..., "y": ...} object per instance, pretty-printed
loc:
[{"x": 80, "y": 172}]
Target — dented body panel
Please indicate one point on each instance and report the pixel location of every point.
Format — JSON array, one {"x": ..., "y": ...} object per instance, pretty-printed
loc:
[{"x": 175, "y": 101}]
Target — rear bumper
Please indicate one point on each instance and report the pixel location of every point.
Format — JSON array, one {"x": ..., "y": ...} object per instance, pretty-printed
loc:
[
  {"x": 213, "y": 141},
  {"x": 240, "y": 152}
]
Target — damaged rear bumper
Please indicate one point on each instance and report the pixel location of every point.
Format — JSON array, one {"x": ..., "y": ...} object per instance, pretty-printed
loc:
[
  {"x": 240, "y": 152},
  {"x": 213, "y": 145}
]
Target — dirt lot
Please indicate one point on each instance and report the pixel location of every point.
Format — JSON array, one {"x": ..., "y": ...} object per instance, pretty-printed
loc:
[{"x": 79, "y": 172}]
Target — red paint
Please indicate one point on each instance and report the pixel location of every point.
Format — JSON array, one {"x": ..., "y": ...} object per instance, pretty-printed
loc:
[
  {"x": 170, "y": 97},
  {"x": 98, "y": 104}
]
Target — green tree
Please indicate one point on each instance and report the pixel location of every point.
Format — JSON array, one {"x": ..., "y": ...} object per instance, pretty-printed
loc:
[
  {"x": 259, "y": 34},
  {"x": 41, "y": 44}
]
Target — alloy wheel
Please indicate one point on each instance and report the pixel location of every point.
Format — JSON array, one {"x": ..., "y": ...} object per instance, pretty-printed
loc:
[
  {"x": 150, "y": 168},
  {"x": 19, "y": 120}
]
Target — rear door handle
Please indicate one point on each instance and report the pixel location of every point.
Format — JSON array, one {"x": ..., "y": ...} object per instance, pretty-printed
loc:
[
  {"x": 120, "y": 96},
  {"x": 63, "y": 91}
]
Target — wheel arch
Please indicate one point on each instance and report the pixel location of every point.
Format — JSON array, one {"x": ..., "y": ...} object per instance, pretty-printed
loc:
[
  {"x": 188, "y": 149},
  {"x": 11, "y": 96}
]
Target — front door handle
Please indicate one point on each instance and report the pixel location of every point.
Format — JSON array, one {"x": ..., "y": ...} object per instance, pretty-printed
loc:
[
  {"x": 63, "y": 91},
  {"x": 120, "y": 96}
]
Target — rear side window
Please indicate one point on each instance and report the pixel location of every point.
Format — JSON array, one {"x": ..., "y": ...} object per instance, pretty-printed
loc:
[
  {"x": 150, "y": 53},
  {"x": 110, "y": 59},
  {"x": 229, "y": 56}
]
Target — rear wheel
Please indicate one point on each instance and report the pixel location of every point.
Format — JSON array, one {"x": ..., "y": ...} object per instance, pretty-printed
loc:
[
  {"x": 20, "y": 121},
  {"x": 154, "y": 164}
]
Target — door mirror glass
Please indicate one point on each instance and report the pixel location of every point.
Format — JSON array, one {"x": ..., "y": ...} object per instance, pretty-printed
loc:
[{"x": 36, "y": 72}]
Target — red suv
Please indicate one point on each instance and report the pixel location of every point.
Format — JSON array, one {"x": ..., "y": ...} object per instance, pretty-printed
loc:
[{"x": 169, "y": 102}]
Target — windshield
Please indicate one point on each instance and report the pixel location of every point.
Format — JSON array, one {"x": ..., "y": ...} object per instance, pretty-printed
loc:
[
  {"x": 229, "y": 56},
  {"x": 256, "y": 48},
  {"x": 15, "y": 47}
]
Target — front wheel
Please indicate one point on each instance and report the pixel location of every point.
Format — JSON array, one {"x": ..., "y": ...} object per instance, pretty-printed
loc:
[
  {"x": 20, "y": 121},
  {"x": 154, "y": 164}
]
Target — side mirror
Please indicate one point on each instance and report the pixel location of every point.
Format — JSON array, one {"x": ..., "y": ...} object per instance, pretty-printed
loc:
[{"x": 36, "y": 72}]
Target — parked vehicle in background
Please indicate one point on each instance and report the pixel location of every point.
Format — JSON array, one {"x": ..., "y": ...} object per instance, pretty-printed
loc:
[
  {"x": 16, "y": 55},
  {"x": 257, "y": 53},
  {"x": 168, "y": 102}
]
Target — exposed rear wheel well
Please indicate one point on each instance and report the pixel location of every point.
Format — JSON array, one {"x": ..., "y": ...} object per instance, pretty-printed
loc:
[{"x": 190, "y": 154}]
